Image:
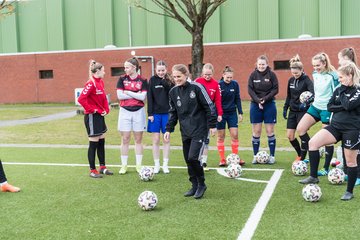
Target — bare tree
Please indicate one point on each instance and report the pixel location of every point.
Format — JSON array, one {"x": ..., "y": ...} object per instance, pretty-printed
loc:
[
  {"x": 193, "y": 15},
  {"x": 7, "y": 7}
]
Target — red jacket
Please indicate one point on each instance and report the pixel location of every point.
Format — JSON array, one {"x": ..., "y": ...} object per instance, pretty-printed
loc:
[
  {"x": 213, "y": 90},
  {"x": 93, "y": 97}
]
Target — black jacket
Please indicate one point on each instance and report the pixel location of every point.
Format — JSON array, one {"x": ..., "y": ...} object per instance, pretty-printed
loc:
[
  {"x": 295, "y": 88},
  {"x": 196, "y": 113},
  {"x": 158, "y": 95},
  {"x": 263, "y": 85},
  {"x": 345, "y": 107}
]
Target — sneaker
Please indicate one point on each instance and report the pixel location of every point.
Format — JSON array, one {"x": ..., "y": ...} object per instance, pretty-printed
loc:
[
  {"x": 123, "y": 169},
  {"x": 190, "y": 192},
  {"x": 347, "y": 196},
  {"x": 306, "y": 161},
  {"x": 138, "y": 168},
  {"x": 166, "y": 169},
  {"x": 156, "y": 169},
  {"x": 105, "y": 171},
  {"x": 95, "y": 174},
  {"x": 242, "y": 162},
  {"x": 9, "y": 188},
  {"x": 309, "y": 180},
  {"x": 222, "y": 163},
  {"x": 357, "y": 183},
  {"x": 200, "y": 192},
  {"x": 323, "y": 172},
  {"x": 346, "y": 178},
  {"x": 254, "y": 160},
  {"x": 298, "y": 158},
  {"x": 271, "y": 160}
]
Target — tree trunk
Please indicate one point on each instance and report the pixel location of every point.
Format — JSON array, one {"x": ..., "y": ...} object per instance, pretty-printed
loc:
[{"x": 197, "y": 53}]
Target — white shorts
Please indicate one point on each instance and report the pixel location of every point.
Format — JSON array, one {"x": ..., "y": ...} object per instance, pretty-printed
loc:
[{"x": 132, "y": 121}]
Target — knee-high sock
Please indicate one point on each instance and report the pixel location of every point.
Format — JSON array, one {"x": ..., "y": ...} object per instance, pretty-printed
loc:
[
  {"x": 221, "y": 150},
  {"x": 91, "y": 154},
  {"x": 2, "y": 173},
  {"x": 296, "y": 145},
  {"x": 314, "y": 157},
  {"x": 329, "y": 152},
  {"x": 235, "y": 146},
  {"x": 272, "y": 144},
  {"x": 101, "y": 151},
  {"x": 352, "y": 172},
  {"x": 255, "y": 144},
  {"x": 304, "y": 145}
]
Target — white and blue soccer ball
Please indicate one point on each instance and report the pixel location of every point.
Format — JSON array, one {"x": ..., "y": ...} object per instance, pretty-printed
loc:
[
  {"x": 147, "y": 200},
  {"x": 232, "y": 158},
  {"x": 299, "y": 168},
  {"x": 146, "y": 174},
  {"x": 336, "y": 176},
  {"x": 262, "y": 157},
  {"x": 233, "y": 170},
  {"x": 304, "y": 96},
  {"x": 311, "y": 192}
]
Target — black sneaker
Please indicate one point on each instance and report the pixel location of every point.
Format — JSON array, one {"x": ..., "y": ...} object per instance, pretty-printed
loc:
[
  {"x": 309, "y": 180},
  {"x": 200, "y": 192},
  {"x": 191, "y": 192},
  {"x": 347, "y": 196}
]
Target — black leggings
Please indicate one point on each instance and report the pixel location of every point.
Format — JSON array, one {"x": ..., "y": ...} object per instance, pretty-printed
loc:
[{"x": 2, "y": 173}]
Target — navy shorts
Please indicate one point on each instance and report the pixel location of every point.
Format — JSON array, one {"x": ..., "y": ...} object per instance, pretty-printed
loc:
[
  {"x": 230, "y": 118},
  {"x": 350, "y": 138},
  {"x": 294, "y": 119},
  {"x": 266, "y": 115},
  {"x": 159, "y": 123}
]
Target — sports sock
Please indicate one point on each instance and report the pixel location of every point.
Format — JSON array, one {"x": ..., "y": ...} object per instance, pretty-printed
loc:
[
  {"x": 352, "y": 172},
  {"x": 2, "y": 173},
  {"x": 124, "y": 160},
  {"x": 165, "y": 162},
  {"x": 314, "y": 157},
  {"x": 272, "y": 144},
  {"x": 138, "y": 160},
  {"x": 91, "y": 154},
  {"x": 235, "y": 146},
  {"x": 221, "y": 150},
  {"x": 296, "y": 145},
  {"x": 101, "y": 151},
  {"x": 304, "y": 145},
  {"x": 329, "y": 152},
  {"x": 255, "y": 144}
]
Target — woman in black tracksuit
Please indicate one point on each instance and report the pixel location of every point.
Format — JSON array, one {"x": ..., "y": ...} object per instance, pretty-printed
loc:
[
  {"x": 297, "y": 84},
  {"x": 344, "y": 125},
  {"x": 191, "y": 105}
]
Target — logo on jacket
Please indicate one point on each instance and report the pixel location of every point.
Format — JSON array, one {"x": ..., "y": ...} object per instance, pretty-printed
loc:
[{"x": 192, "y": 94}]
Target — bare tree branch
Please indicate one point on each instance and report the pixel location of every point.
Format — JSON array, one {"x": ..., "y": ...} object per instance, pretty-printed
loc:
[{"x": 7, "y": 7}]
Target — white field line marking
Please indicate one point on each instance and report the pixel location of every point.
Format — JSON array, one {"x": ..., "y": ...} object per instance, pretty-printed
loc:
[
  {"x": 222, "y": 172},
  {"x": 249, "y": 229}
]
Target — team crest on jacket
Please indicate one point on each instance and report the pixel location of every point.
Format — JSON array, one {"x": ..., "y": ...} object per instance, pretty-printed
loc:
[{"x": 192, "y": 94}]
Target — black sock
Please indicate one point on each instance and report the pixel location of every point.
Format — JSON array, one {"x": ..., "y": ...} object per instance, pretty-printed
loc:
[
  {"x": 2, "y": 173},
  {"x": 329, "y": 152},
  {"x": 296, "y": 145},
  {"x": 304, "y": 145},
  {"x": 101, "y": 151},
  {"x": 91, "y": 154},
  {"x": 314, "y": 157},
  {"x": 352, "y": 172},
  {"x": 358, "y": 165}
]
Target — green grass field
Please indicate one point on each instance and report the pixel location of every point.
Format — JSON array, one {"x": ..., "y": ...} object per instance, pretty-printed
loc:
[{"x": 62, "y": 202}]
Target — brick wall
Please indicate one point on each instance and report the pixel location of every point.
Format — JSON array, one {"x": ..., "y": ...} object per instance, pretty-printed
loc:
[{"x": 21, "y": 83}]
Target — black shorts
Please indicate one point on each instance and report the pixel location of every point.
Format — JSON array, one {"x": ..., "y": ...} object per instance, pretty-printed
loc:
[
  {"x": 95, "y": 124},
  {"x": 294, "y": 119},
  {"x": 350, "y": 138}
]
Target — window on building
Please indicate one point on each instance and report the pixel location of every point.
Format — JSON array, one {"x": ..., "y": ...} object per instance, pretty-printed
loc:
[
  {"x": 117, "y": 71},
  {"x": 46, "y": 74},
  {"x": 282, "y": 65}
]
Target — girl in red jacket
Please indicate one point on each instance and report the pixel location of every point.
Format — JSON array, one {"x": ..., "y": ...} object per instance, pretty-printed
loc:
[{"x": 93, "y": 100}]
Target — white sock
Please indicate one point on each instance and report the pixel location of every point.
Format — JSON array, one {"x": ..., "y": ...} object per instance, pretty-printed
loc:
[
  {"x": 3, "y": 183},
  {"x": 157, "y": 162},
  {"x": 138, "y": 160},
  {"x": 165, "y": 162},
  {"x": 124, "y": 160}
]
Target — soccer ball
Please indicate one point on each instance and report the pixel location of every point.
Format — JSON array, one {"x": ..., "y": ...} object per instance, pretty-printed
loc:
[
  {"x": 322, "y": 152},
  {"x": 304, "y": 96},
  {"x": 336, "y": 176},
  {"x": 232, "y": 158},
  {"x": 299, "y": 168},
  {"x": 262, "y": 157},
  {"x": 146, "y": 174},
  {"x": 147, "y": 200},
  {"x": 233, "y": 170},
  {"x": 311, "y": 192}
]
